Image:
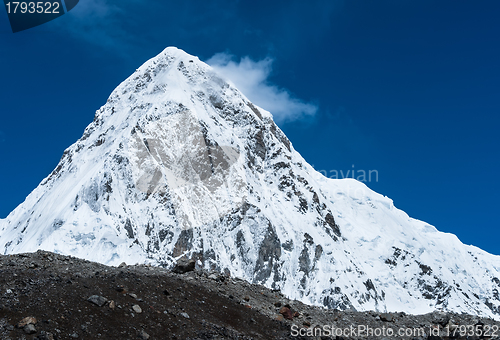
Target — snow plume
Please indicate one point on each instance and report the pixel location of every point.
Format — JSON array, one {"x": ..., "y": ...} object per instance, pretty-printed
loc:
[{"x": 251, "y": 77}]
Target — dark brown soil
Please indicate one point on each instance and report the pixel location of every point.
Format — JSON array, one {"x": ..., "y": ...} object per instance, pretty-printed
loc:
[{"x": 141, "y": 302}]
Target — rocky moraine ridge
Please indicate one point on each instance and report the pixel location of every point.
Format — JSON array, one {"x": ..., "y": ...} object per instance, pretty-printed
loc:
[{"x": 49, "y": 296}]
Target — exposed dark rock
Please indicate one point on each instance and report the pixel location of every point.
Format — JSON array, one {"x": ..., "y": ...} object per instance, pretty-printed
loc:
[
  {"x": 254, "y": 109},
  {"x": 184, "y": 242},
  {"x": 269, "y": 254},
  {"x": 425, "y": 270},
  {"x": 129, "y": 229},
  {"x": 369, "y": 285},
  {"x": 260, "y": 146},
  {"x": 331, "y": 223},
  {"x": 304, "y": 261},
  {"x": 288, "y": 245}
]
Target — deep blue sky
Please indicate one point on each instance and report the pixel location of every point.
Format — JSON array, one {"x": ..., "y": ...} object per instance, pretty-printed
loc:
[{"x": 408, "y": 88}]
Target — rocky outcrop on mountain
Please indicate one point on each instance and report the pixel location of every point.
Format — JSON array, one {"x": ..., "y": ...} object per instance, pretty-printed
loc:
[{"x": 179, "y": 164}]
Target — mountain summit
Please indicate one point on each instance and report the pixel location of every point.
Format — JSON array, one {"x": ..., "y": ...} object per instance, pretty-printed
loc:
[{"x": 178, "y": 163}]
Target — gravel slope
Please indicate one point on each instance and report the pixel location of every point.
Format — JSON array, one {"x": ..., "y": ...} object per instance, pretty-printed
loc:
[{"x": 48, "y": 296}]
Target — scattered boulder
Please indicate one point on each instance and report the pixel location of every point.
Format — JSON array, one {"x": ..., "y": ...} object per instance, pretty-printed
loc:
[
  {"x": 184, "y": 314},
  {"x": 45, "y": 336},
  {"x": 286, "y": 312},
  {"x": 143, "y": 335},
  {"x": 137, "y": 309},
  {"x": 29, "y": 320},
  {"x": 183, "y": 266},
  {"x": 97, "y": 300},
  {"x": 441, "y": 318},
  {"x": 386, "y": 317},
  {"x": 29, "y": 329}
]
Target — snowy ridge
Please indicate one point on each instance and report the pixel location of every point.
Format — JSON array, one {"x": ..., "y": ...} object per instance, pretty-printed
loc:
[{"x": 179, "y": 163}]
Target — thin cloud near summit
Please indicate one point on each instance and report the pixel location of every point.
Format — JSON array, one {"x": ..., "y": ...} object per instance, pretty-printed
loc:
[{"x": 251, "y": 78}]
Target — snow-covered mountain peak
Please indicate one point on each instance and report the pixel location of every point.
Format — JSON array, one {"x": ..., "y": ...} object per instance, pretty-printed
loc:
[{"x": 179, "y": 163}]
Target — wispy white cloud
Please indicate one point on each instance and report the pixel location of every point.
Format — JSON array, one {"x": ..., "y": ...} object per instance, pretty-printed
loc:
[{"x": 251, "y": 78}]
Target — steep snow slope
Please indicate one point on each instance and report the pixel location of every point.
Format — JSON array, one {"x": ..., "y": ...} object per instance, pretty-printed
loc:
[{"x": 179, "y": 163}]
